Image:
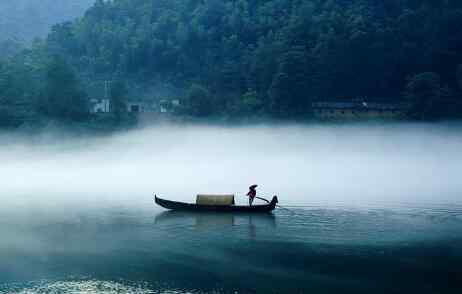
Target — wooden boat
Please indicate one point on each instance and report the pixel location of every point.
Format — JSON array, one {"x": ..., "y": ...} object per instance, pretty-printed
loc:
[{"x": 173, "y": 205}]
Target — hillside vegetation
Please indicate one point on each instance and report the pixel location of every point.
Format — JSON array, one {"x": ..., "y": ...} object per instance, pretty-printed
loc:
[{"x": 257, "y": 57}]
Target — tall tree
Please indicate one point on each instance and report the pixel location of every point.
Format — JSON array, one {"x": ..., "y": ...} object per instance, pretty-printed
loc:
[
  {"x": 62, "y": 98},
  {"x": 200, "y": 101},
  {"x": 118, "y": 99},
  {"x": 290, "y": 84},
  {"x": 424, "y": 91},
  {"x": 459, "y": 76}
]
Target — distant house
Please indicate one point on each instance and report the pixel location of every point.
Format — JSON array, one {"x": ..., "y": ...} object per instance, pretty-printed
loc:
[
  {"x": 175, "y": 102},
  {"x": 136, "y": 106},
  {"x": 141, "y": 106},
  {"x": 358, "y": 110},
  {"x": 100, "y": 106},
  {"x": 169, "y": 105}
]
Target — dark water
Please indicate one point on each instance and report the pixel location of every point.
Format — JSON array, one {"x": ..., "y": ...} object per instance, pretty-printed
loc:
[{"x": 331, "y": 249}]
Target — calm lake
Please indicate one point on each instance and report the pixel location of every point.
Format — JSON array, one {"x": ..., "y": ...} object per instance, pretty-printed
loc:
[
  {"x": 370, "y": 210},
  {"x": 305, "y": 250}
]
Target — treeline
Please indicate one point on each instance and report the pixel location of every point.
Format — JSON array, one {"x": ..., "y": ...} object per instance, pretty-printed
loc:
[{"x": 265, "y": 57}]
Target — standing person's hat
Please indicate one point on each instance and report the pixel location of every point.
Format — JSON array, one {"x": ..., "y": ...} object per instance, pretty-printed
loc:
[{"x": 253, "y": 186}]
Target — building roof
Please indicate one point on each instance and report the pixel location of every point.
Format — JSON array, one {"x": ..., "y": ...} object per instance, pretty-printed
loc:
[{"x": 360, "y": 105}]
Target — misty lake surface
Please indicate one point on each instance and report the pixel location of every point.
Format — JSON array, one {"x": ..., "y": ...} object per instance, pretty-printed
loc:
[{"x": 371, "y": 210}]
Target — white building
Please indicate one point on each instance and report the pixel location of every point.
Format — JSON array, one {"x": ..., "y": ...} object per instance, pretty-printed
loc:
[
  {"x": 169, "y": 105},
  {"x": 100, "y": 105},
  {"x": 164, "y": 106}
]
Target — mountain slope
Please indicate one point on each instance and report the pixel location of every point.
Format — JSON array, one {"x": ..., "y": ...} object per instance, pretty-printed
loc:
[{"x": 26, "y": 19}]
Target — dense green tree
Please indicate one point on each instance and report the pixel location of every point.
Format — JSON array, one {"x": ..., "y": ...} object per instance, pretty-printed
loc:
[
  {"x": 200, "y": 101},
  {"x": 459, "y": 76},
  {"x": 61, "y": 97},
  {"x": 9, "y": 49},
  {"x": 424, "y": 91},
  {"x": 289, "y": 90},
  {"x": 16, "y": 94},
  {"x": 250, "y": 104},
  {"x": 118, "y": 99}
]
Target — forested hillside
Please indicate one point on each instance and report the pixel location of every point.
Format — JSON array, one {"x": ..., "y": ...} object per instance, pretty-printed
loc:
[
  {"x": 25, "y": 20},
  {"x": 242, "y": 57}
]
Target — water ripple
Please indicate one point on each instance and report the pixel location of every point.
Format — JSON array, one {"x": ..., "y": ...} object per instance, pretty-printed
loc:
[{"x": 91, "y": 287}]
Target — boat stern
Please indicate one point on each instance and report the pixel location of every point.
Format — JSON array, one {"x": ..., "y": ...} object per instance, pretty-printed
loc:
[{"x": 275, "y": 200}]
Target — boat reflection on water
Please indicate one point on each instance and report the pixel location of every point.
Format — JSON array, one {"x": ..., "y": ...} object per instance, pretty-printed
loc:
[{"x": 217, "y": 221}]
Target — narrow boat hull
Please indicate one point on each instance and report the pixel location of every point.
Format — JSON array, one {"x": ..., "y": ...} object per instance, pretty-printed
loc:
[{"x": 173, "y": 205}]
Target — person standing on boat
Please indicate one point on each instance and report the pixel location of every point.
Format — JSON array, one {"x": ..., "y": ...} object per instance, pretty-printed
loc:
[{"x": 252, "y": 193}]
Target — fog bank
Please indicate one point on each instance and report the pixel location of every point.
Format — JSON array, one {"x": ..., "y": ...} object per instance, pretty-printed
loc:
[{"x": 304, "y": 165}]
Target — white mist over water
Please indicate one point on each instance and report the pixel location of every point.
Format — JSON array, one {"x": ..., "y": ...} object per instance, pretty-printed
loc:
[{"x": 304, "y": 165}]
